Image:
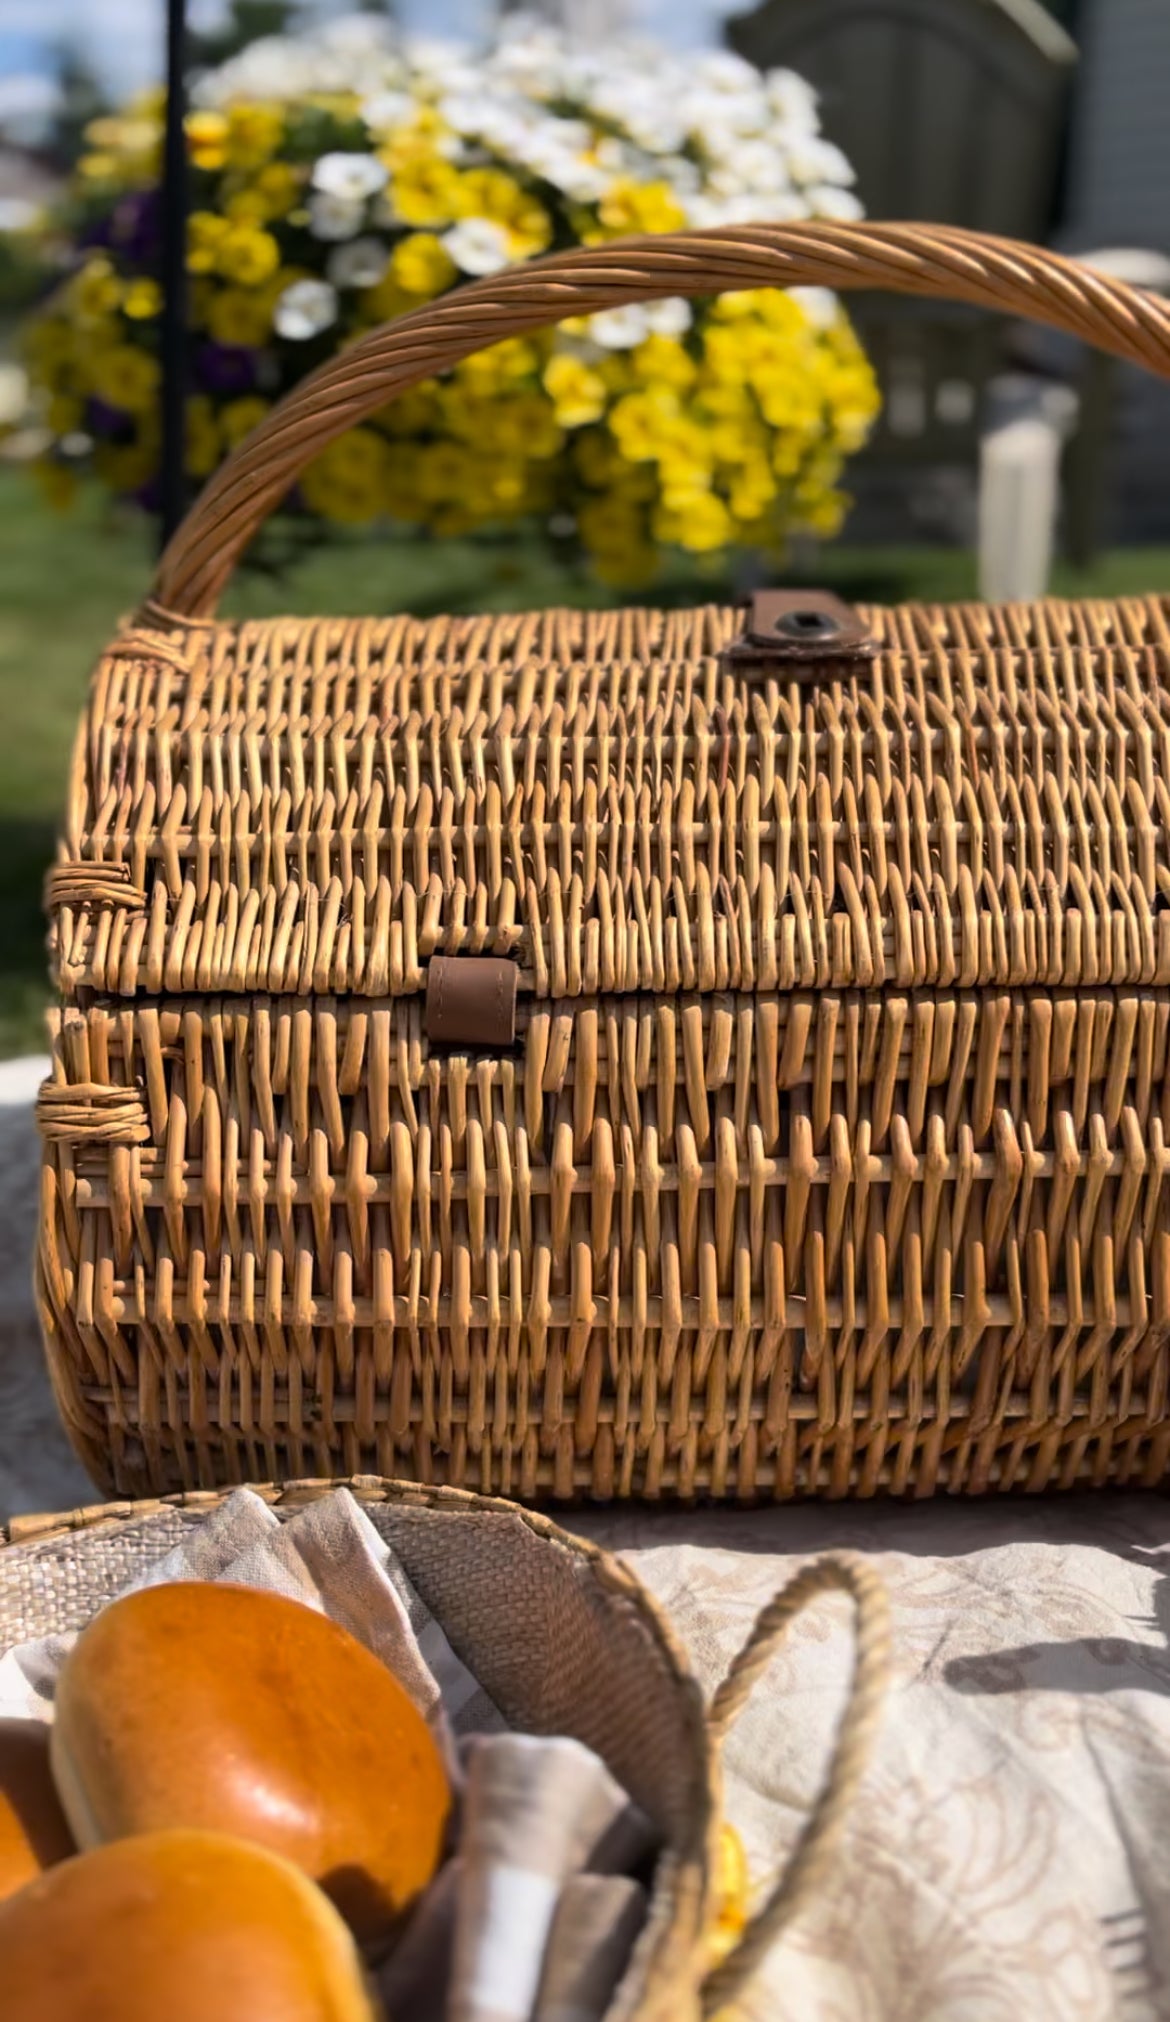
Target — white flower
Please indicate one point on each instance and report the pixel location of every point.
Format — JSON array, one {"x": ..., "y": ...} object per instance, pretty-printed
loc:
[
  {"x": 793, "y": 102},
  {"x": 333, "y": 217},
  {"x": 304, "y": 310},
  {"x": 819, "y": 305},
  {"x": 360, "y": 264},
  {"x": 749, "y": 165},
  {"x": 17, "y": 214},
  {"x": 830, "y": 202},
  {"x": 620, "y": 329},
  {"x": 668, "y": 318},
  {"x": 812, "y": 159},
  {"x": 681, "y": 173},
  {"x": 363, "y": 36},
  {"x": 437, "y": 59},
  {"x": 722, "y": 70},
  {"x": 715, "y": 118},
  {"x": 275, "y": 66},
  {"x": 353, "y": 177},
  {"x": 478, "y": 246},
  {"x": 579, "y": 178},
  {"x": 383, "y": 111},
  {"x": 13, "y": 394}
]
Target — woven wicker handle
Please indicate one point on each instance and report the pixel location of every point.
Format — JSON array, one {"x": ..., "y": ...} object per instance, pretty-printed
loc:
[
  {"x": 822, "y": 1830},
  {"x": 911, "y": 259}
]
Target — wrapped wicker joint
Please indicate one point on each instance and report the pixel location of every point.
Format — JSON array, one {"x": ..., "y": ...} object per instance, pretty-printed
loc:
[{"x": 707, "y": 1052}]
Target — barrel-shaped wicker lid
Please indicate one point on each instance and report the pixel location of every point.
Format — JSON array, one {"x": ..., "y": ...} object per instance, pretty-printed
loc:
[{"x": 322, "y": 805}]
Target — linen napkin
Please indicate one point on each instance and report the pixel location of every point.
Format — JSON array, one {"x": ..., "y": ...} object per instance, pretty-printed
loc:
[
  {"x": 534, "y": 1916},
  {"x": 328, "y": 1556}
]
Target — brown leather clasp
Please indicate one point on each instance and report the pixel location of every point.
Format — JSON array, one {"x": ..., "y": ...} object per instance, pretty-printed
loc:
[
  {"x": 801, "y": 628},
  {"x": 471, "y": 1001}
]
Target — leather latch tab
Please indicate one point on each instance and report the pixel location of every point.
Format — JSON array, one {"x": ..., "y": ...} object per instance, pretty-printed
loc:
[
  {"x": 801, "y": 627},
  {"x": 471, "y": 1001}
]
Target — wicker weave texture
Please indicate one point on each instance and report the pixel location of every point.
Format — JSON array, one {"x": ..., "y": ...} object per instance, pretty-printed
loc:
[
  {"x": 737, "y": 1244},
  {"x": 830, "y": 1155},
  {"x": 322, "y": 805}
]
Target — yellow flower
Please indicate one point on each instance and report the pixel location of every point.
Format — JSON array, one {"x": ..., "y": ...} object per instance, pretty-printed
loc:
[
  {"x": 254, "y": 132},
  {"x": 207, "y": 136},
  {"x": 422, "y": 265},
  {"x": 412, "y": 413},
  {"x": 270, "y": 195},
  {"x": 752, "y": 491},
  {"x": 58, "y": 484},
  {"x": 521, "y": 424},
  {"x": 95, "y": 292},
  {"x": 247, "y": 255},
  {"x": 645, "y": 423},
  {"x": 500, "y": 367},
  {"x": 492, "y": 193},
  {"x": 348, "y": 481},
  {"x": 98, "y": 168},
  {"x": 610, "y": 526},
  {"x": 240, "y": 417},
  {"x": 239, "y": 316},
  {"x": 697, "y": 521},
  {"x": 577, "y": 392},
  {"x": 426, "y": 191},
  {"x": 822, "y": 513},
  {"x": 47, "y": 342},
  {"x": 598, "y": 460},
  {"x": 125, "y": 377},
  {"x": 64, "y": 413},
  {"x": 445, "y": 470},
  {"x": 640, "y": 207},
  {"x": 386, "y": 301},
  {"x": 400, "y": 491},
  {"x": 202, "y": 437},
  {"x": 279, "y": 184},
  {"x": 204, "y": 232},
  {"x": 663, "y": 361},
  {"x": 142, "y": 299}
]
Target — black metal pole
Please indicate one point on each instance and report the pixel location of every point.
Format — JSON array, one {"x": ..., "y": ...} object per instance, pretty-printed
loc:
[{"x": 174, "y": 275}]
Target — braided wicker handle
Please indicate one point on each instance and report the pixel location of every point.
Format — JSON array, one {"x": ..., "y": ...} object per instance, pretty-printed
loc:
[
  {"x": 911, "y": 259},
  {"x": 822, "y": 1829}
]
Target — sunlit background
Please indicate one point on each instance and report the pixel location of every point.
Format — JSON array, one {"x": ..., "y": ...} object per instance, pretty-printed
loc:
[{"x": 344, "y": 167}]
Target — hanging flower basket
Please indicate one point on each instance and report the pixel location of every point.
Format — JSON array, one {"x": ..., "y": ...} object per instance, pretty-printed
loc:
[{"x": 343, "y": 177}]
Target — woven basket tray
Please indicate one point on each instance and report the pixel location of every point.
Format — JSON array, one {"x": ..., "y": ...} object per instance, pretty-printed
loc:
[
  {"x": 505, "y": 1585},
  {"x": 813, "y": 1134}
]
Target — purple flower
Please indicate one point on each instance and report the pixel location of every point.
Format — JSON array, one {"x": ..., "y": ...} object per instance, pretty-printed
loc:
[
  {"x": 225, "y": 368},
  {"x": 106, "y": 422},
  {"x": 149, "y": 495},
  {"x": 95, "y": 234},
  {"x": 137, "y": 228}
]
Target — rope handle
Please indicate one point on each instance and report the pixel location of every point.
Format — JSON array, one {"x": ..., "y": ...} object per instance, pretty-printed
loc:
[
  {"x": 937, "y": 260},
  {"x": 822, "y": 1829}
]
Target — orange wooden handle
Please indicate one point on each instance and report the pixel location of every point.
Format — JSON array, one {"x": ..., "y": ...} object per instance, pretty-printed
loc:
[{"x": 939, "y": 260}]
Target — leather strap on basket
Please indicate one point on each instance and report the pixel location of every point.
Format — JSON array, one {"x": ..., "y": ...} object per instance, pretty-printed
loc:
[
  {"x": 822, "y": 1830},
  {"x": 935, "y": 260}
]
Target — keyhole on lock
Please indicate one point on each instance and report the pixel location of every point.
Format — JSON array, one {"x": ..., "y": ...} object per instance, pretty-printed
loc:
[{"x": 811, "y": 625}]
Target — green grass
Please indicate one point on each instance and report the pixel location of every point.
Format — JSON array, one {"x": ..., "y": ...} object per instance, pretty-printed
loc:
[{"x": 65, "y": 581}]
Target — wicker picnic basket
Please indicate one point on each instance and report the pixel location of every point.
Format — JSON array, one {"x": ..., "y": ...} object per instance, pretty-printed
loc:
[
  {"x": 635, "y": 1053},
  {"x": 509, "y": 1586}
]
